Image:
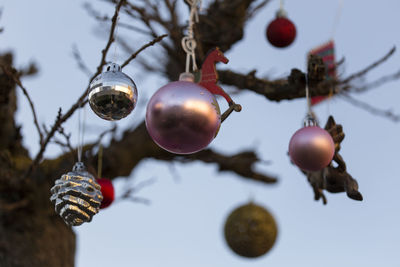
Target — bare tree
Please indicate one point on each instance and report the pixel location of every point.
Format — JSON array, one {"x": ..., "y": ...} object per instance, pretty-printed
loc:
[{"x": 31, "y": 233}]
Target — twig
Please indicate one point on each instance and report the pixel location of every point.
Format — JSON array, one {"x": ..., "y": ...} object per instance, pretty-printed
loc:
[
  {"x": 98, "y": 16},
  {"x": 67, "y": 142},
  {"x": 1, "y": 13},
  {"x": 371, "y": 109},
  {"x": 143, "y": 17},
  {"x": 144, "y": 184},
  {"x": 10, "y": 74},
  {"x": 370, "y": 67},
  {"x": 81, "y": 64},
  {"x": 377, "y": 83},
  {"x": 174, "y": 172},
  {"x": 128, "y": 194},
  {"x": 151, "y": 43},
  {"x": 110, "y": 37},
  {"x": 111, "y": 130},
  {"x": 241, "y": 163},
  {"x": 80, "y": 103},
  {"x": 252, "y": 12},
  {"x": 141, "y": 200}
]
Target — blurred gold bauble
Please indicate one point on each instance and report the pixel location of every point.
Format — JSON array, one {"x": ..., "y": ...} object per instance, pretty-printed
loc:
[{"x": 250, "y": 230}]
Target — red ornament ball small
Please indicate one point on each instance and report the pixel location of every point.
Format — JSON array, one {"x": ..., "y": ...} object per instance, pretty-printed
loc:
[
  {"x": 107, "y": 189},
  {"x": 311, "y": 148},
  {"x": 281, "y": 32}
]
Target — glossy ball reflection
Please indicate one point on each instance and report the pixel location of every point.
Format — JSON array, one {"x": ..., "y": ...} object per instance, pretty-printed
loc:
[
  {"x": 250, "y": 231},
  {"x": 112, "y": 94},
  {"x": 183, "y": 117},
  {"x": 311, "y": 148}
]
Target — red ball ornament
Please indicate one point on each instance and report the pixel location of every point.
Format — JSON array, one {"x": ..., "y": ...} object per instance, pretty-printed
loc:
[
  {"x": 107, "y": 189},
  {"x": 183, "y": 117},
  {"x": 311, "y": 148},
  {"x": 281, "y": 32}
]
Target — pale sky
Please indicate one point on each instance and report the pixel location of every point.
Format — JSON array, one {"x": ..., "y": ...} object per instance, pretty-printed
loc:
[{"x": 183, "y": 225}]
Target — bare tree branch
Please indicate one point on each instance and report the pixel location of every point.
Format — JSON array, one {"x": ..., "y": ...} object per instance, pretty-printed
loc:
[
  {"x": 129, "y": 193},
  {"x": 11, "y": 74},
  {"x": 61, "y": 118},
  {"x": 1, "y": 13},
  {"x": 119, "y": 158},
  {"x": 375, "y": 84},
  {"x": 67, "y": 142},
  {"x": 370, "y": 67},
  {"x": 151, "y": 43},
  {"x": 111, "y": 38},
  {"x": 277, "y": 90},
  {"x": 371, "y": 109},
  {"x": 79, "y": 60},
  {"x": 255, "y": 9}
]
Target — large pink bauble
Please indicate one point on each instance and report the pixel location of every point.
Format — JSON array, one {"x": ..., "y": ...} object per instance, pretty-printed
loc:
[
  {"x": 183, "y": 117},
  {"x": 311, "y": 148}
]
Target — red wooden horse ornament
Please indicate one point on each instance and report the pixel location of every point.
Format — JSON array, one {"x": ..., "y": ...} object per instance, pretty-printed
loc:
[{"x": 209, "y": 79}]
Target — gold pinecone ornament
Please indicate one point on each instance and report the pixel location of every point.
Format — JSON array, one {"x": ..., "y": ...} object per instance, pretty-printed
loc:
[{"x": 250, "y": 230}]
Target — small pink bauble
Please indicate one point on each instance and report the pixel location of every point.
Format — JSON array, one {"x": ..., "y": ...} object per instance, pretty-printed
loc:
[
  {"x": 183, "y": 117},
  {"x": 311, "y": 148}
]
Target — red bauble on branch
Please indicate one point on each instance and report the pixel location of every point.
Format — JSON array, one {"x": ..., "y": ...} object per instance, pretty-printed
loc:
[
  {"x": 107, "y": 189},
  {"x": 281, "y": 32}
]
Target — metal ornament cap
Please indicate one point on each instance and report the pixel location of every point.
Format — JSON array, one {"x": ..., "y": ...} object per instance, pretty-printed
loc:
[
  {"x": 311, "y": 148},
  {"x": 112, "y": 94},
  {"x": 77, "y": 196},
  {"x": 183, "y": 117}
]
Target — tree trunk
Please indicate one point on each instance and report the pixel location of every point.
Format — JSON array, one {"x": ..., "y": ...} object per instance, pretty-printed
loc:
[
  {"x": 31, "y": 233},
  {"x": 36, "y": 237}
]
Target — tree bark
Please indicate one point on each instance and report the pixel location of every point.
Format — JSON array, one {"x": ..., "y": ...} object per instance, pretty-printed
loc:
[{"x": 31, "y": 234}]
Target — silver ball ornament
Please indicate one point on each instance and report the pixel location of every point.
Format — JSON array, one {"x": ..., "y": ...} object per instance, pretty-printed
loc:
[
  {"x": 183, "y": 117},
  {"x": 112, "y": 94},
  {"x": 311, "y": 148},
  {"x": 77, "y": 196}
]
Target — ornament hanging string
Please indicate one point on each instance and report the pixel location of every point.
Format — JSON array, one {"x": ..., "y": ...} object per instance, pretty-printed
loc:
[
  {"x": 337, "y": 17},
  {"x": 329, "y": 100},
  {"x": 81, "y": 130},
  {"x": 188, "y": 42},
  {"x": 310, "y": 119},
  {"x": 334, "y": 27},
  {"x": 309, "y": 112},
  {"x": 100, "y": 161},
  {"x": 281, "y": 6},
  {"x": 116, "y": 40}
]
